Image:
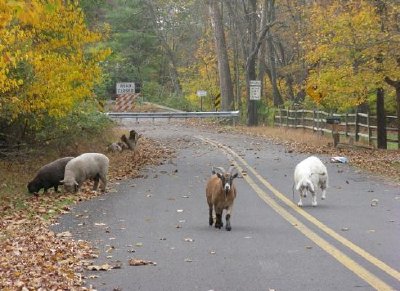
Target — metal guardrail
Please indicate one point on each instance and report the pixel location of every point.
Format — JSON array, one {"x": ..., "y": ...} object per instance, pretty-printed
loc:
[{"x": 170, "y": 115}]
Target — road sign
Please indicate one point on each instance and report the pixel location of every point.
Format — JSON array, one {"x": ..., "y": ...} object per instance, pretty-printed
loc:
[
  {"x": 201, "y": 93},
  {"x": 123, "y": 88},
  {"x": 217, "y": 102},
  {"x": 255, "y": 90}
]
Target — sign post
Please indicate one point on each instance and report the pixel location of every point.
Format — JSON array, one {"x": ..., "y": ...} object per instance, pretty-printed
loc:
[
  {"x": 255, "y": 95},
  {"x": 201, "y": 94}
]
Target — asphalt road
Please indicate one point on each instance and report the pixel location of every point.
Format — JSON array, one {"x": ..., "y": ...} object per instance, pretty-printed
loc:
[{"x": 342, "y": 244}]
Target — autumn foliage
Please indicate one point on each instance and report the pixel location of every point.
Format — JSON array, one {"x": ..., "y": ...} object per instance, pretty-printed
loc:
[
  {"x": 350, "y": 50},
  {"x": 49, "y": 61}
]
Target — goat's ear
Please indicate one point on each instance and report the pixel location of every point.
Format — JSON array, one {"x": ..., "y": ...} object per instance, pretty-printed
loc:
[
  {"x": 235, "y": 175},
  {"x": 219, "y": 175}
]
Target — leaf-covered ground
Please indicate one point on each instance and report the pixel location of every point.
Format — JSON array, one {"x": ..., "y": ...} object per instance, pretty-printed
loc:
[{"x": 33, "y": 257}]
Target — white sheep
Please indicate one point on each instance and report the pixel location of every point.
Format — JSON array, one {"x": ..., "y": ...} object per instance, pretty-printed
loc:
[
  {"x": 309, "y": 175},
  {"x": 220, "y": 193},
  {"x": 86, "y": 166}
]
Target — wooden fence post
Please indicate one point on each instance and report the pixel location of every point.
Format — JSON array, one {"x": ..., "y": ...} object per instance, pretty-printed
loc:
[
  {"x": 356, "y": 136},
  {"x": 346, "y": 131},
  {"x": 313, "y": 117},
  {"x": 287, "y": 117},
  {"x": 280, "y": 117},
  {"x": 369, "y": 128}
]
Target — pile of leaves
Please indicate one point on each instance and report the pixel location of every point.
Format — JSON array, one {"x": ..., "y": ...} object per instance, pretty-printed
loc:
[{"x": 34, "y": 257}]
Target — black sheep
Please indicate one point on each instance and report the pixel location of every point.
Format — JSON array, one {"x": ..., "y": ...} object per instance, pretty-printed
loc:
[{"x": 49, "y": 176}]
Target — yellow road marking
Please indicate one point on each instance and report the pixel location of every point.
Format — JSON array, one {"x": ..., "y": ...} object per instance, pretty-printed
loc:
[{"x": 330, "y": 249}]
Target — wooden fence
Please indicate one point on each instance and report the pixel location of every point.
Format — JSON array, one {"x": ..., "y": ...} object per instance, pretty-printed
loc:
[{"x": 360, "y": 126}]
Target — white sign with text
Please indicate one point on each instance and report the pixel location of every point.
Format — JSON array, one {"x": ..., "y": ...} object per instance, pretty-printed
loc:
[{"x": 124, "y": 88}]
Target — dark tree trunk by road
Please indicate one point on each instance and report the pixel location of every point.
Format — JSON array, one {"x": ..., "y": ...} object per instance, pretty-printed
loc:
[
  {"x": 222, "y": 56},
  {"x": 381, "y": 118},
  {"x": 396, "y": 85},
  {"x": 255, "y": 45}
]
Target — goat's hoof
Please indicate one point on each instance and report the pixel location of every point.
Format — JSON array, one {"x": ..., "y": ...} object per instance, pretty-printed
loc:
[
  {"x": 314, "y": 204},
  {"x": 228, "y": 228},
  {"x": 300, "y": 204},
  {"x": 323, "y": 197}
]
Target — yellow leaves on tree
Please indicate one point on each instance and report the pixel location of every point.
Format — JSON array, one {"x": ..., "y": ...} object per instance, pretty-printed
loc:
[
  {"x": 45, "y": 63},
  {"x": 350, "y": 50},
  {"x": 202, "y": 74}
]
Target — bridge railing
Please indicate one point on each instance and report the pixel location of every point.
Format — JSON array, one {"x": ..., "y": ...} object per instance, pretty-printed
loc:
[{"x": 172, "y": 115}]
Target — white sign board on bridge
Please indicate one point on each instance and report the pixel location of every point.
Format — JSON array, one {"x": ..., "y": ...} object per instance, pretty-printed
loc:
[
  {"x": 255, "y": 90},
  {"x": 125, "y": 88}
]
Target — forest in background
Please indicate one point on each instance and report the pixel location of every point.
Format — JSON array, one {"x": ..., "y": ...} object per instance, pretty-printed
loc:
[
  {"x": 62, "y": 59},
  {"x": 334, "y": 55}
]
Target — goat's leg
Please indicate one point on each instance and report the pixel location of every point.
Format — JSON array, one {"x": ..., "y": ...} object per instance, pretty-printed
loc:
[
  {"x": 103, "y": 180},
  {"x": 218, "y": 220},
  {"x": 314, "y": 199},
  {"x": 323, "y": 188},
  {"x": 96, "y": 183},
  {"x": 300, "y": 203},
  {"x": 228, "y": 218},
  {"x": 210, "y": 217}
]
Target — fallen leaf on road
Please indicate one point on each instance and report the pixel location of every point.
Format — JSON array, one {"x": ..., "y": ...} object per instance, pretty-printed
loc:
[
  {"x": 374, "y": 202},
  {"x": 188, "y": 260},
  {"x": 64, "y": 234},
  {"x": 104, "y": 267},
  {"x": 188, "y": 239},
  {"x": 140, "y": 262}
]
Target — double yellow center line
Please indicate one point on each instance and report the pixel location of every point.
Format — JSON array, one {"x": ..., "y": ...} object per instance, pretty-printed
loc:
[{"x": 345, "y": 260}]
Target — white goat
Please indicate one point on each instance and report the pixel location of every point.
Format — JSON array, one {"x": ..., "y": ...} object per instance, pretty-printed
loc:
[
  {"x": 86, "y": 166},
  {"x": 220, "y": 193},
  {"x": 309, "y": 175}
]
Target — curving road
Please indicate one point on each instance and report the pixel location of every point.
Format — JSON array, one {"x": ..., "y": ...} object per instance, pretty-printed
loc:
[{"x": 342, "y": 244}]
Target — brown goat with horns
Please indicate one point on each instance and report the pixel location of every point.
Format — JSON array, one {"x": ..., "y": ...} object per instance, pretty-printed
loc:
[{"x": 221, "y": 193}]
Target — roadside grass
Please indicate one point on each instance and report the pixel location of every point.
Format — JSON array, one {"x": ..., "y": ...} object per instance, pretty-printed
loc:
[
  {"x": 32, "y": 256},
  {"x": 16, "y": 172}
]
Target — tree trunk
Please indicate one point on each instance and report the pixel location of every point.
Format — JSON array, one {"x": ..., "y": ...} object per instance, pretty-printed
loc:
[
  {"x": 381, "y": 118},
  {"x": 222, "y": 56},
  {"x": 396, "y": 85},
  {"x": 251, "y": 65}
]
